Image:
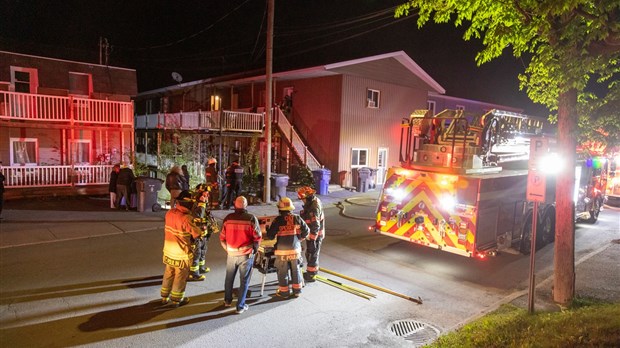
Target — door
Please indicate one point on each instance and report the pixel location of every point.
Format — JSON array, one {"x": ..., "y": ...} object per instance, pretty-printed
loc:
[{"x": 382, "y": 155}]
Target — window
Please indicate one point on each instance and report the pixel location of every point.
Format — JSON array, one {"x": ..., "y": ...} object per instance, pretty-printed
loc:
[
  {"x": 431, "y": 105},
  {"x": 460, "y": 107},
  {"x": 359, "y": 158},
  {"x": 372, "y": 98},
  {"x": 80, "y": 84},
  {"x": 24, "y": 151},
  {"x": 24, "y": 80},
  {"x": 80, "y": 152}
]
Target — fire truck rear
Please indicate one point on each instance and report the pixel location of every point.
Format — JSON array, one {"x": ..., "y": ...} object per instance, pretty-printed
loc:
[{"x": 461, "y": 186}]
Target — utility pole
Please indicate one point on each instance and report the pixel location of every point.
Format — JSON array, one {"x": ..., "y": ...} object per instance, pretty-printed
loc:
[{"x": 268, "y": 97}]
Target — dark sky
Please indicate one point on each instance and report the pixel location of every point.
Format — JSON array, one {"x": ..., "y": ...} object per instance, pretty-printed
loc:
[{"x": 209, "y": 38}]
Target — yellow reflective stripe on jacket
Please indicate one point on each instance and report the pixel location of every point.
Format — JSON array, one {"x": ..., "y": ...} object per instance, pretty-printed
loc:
[{"x": 287, "y": 252}]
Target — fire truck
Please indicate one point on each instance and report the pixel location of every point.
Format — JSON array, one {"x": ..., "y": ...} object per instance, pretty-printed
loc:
[{"x": 461, "y": 185}]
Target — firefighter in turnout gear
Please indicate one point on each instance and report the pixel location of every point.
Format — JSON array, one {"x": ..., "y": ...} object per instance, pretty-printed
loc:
[
  {"x": 290, "y": 229},
  {"x": 234, "y": 178},
  {"x": 202, "y": 217},
  {"x": 179, "y": 231},
  {"x": 312, "y": 213},
  {"x": 212, "y": 180}
]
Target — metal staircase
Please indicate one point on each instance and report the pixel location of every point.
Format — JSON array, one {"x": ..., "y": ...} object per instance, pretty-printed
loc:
[{"x": 293, "y": 138}]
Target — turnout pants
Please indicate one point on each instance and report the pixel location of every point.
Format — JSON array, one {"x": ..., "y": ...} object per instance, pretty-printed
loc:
[
  {"x": 313, "y": 248},
  {"x": 174, "y": 283},
  {"x": 288, "y": 265}
]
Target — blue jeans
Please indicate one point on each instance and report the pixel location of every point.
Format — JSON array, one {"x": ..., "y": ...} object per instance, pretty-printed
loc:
[{"x": 243, "y": 264}]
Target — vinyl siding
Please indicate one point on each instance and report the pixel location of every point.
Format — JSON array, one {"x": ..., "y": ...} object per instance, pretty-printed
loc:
[{"x": 363, "y": 127}]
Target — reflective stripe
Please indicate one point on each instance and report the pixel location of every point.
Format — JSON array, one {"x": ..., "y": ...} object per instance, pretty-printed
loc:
[
  {"x": 296, "y": 286},
  {"x": 288, "y": 252},
  {"x": 312, "y": 269}
]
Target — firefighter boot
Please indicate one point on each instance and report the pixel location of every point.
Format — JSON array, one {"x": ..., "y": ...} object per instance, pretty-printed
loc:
[
  {"x": 204, "y": 270},
  {"x": 196, "y": 278},
  {"x": 309, "y": 277}
]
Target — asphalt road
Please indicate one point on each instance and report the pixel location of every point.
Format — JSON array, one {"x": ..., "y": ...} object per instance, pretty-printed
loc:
[{"x": 103, "y": 291}]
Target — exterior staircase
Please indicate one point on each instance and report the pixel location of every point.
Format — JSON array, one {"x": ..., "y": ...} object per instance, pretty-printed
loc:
[{"x": 292, "y": 137}]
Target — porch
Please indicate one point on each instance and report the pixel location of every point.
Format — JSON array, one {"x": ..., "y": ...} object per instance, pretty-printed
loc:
[
  {"x": 209, "y": 121},
  {"x": 56, "y": 176},
  {"x": 50, "y": 109}
]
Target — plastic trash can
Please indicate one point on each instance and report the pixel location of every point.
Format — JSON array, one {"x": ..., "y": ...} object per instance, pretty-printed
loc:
[
  {"x": 279, "y": 182},
  {"x": 363, "y": 179},
  {"x": 321, "y": 180},
  {"x": 147, "y": 193}
]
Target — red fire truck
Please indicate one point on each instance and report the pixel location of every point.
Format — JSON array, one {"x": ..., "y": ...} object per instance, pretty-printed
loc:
[{"x": 461, "y": 186}]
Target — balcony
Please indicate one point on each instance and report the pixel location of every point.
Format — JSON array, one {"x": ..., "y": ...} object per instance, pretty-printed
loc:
[
  {"x": 54, "y": 109},
  {"x": 225, "y": 121}
]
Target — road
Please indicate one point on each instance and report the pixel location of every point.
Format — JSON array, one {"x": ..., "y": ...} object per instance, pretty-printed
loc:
[{"x": 104, "y": 291}]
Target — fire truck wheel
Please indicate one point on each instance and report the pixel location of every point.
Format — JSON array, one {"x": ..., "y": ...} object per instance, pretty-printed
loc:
[
  {"x": 526, "y": 236},
  {"x": 546, "y": 229},
  {"x": 594, "y": 210}
]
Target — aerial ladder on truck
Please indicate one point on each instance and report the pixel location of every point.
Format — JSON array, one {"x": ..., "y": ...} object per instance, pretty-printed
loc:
[{"x": 461, "y": 184}]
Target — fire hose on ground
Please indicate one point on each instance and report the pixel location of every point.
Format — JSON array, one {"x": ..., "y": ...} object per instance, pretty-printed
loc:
[{"x": 361, "y": 294}]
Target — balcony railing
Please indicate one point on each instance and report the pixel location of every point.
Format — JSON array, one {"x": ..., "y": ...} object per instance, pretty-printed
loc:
[
  {"x": 47, "y": 108},
  {"x": 48, "y": 176},
  {"x": 226, "y": 121},
  {"x": 295, "y": 140}
]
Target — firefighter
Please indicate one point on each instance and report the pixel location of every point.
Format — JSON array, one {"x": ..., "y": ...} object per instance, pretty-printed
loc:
[
  {"x": 179, "y": 231},
  {"x": 203, "y": 217},
  {"x": 234, "y": 177},
  {"x": 212, "y": 180},
  {"x": 290, "y": 230},
  {"x": 174, "y": 184},
  {"x": 312, "y": 213}
]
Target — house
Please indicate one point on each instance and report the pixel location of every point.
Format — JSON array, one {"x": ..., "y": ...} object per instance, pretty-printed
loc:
[
  {"x": 63, "y": 124},
  {"x": 340, "y": 117}
]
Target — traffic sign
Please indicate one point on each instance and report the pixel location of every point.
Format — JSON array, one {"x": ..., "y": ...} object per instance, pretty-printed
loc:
[{"x": 536, "y": 186}]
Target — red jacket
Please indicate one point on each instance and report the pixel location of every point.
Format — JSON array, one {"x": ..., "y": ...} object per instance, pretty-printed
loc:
[{"x": 240, "y": 233}]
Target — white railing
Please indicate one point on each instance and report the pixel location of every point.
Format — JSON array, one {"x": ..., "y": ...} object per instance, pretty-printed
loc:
[
  {"x": 298, "y": 145},
  {"x": 48, "y": 176},
  {"x": 231, "y": 121},
  {"x": 48, "y": 108}
]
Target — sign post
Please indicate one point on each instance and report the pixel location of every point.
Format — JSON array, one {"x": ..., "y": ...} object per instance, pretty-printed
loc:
[{"x": 536, "y": 187}]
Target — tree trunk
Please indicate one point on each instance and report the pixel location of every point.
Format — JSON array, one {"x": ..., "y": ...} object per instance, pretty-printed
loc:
[{"x": 564, "y": 259}]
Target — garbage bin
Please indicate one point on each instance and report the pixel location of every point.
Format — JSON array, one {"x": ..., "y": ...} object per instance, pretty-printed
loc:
[
  {"x": 363, "y": 179},
  {"x": 321, "y": 180},
  {"x": 278, "y": 186},
  {"x": 147, "y": 193}
]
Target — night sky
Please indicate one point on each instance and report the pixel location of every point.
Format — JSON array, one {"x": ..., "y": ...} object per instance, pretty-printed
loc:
[{"x": 209, "y": 38}]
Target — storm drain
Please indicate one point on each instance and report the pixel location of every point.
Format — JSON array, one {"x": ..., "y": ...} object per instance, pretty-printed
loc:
[{"x": 417, "y": 332}]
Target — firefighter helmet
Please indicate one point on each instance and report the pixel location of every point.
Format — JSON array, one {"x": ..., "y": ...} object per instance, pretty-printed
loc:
[
  {"x": 185, "y": 199},
  {"x": 285, "y": 203},
  {"x": 305, "y": 191},
  {"x": 212, "y": 161}
]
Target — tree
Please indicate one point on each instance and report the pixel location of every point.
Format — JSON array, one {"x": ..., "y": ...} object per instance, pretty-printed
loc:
[{"x": 571, "y": 45}]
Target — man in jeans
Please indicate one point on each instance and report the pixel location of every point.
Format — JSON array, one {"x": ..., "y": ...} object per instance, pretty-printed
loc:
[{"x": 240, "y": 237}]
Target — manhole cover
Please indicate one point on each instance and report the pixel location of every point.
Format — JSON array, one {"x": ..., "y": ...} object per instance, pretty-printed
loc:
[{"x": 417, "y": 332}]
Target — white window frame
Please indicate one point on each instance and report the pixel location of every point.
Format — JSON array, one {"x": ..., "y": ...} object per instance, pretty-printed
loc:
[
  {"x": 33, "y": 84},
  {"x": 74, "y": 149},
  {"x": 359, "y": 150},
  {"x": 431, "y": 105},
  {"x": 373, "y": 98},
  {"x": 24, "y": 140}
]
